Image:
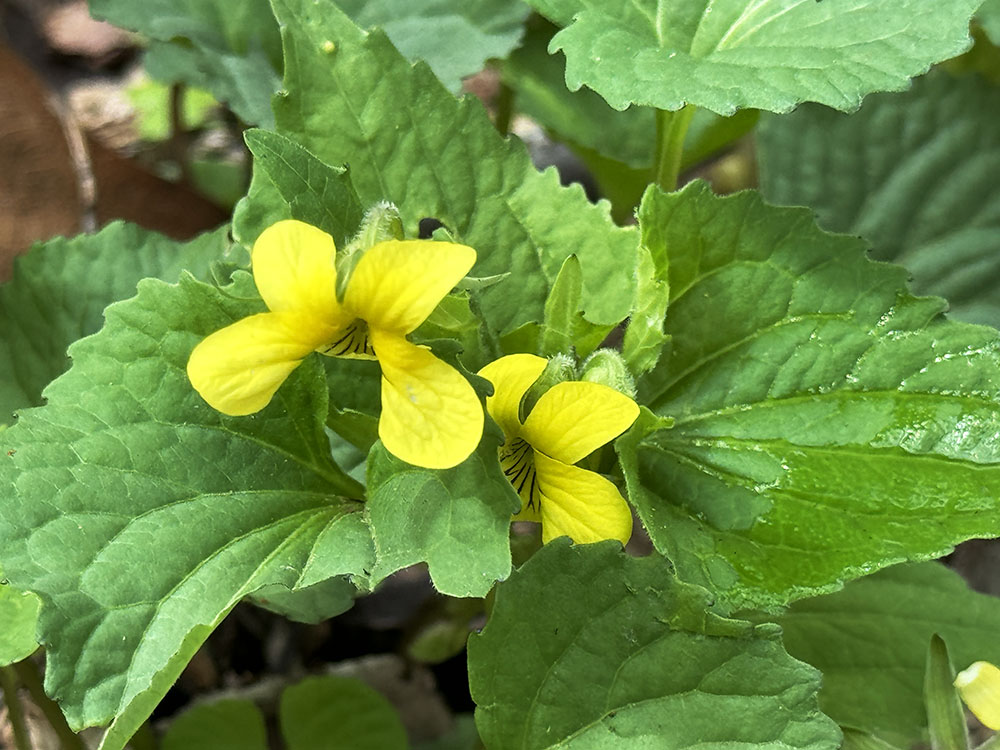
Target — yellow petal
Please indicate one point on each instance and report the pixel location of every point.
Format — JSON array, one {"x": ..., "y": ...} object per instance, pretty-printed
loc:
[
  {"x": 431, "y": 416},
  {"x": 571, "y": 420},
  {"x": 294, "y": 269},
  {"x": 517, "y": 460},
  {"x": 238, "y": 368},
  {"x": 397, "y": 284},
  {"x": 352, "y": 342},
  {"x": 511, "y": 377},
  {"x": 580, "y": 504},
  {"x": 979, "y": 686}
]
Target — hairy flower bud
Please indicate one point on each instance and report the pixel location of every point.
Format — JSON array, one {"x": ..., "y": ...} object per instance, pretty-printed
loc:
[{"x": 607, "y": 367}]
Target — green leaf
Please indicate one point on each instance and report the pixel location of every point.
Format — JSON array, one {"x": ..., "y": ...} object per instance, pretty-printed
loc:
[
  {"x": 230, "y": 49},
  {"x": 454, "y": 39},
  {"x": 407, "y": 140},
  {"x": 344, "y": 545},
  {"x": 60, "y": 289},
  {"x": 222, "y": 725},
  {"x": 870, "y": 642},
  {"x": 586, "y": 122},
  {"x": 126, "y": 461},
  {"x": 945, "y": 714},
  {"x": 913, "y": 173},
  {"x": 725, "y": 55},
  {"x": 457, "y": 521},
  {"x": 587, "y": 647},
  {"x": 338, "y": 713},
  {"x": 18, "y": 619},
  {"x": 310, "y": 604},
  {"x": 828, "y": 424},
  {"x": 316, "y": 193},
  {"x": 989, "y": 17}
]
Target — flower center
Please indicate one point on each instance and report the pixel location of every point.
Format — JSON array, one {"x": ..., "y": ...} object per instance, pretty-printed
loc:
[
  {"x": 517, "y": 459},
  {"x": 352, "y": 343}
]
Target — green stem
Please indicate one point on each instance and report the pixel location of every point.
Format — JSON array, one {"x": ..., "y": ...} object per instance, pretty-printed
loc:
[
  {"x": 15, "y": 712},
  {"x": 993, "y": 743},
  {"x": 31, "y": 679},
  {"x": 505, "y": 108},
  {"x": 178, "y": 139},
  {"x": 671, "y": 129}
]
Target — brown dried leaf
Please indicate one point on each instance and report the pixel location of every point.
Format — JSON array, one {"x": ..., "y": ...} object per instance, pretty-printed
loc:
[
  {"x": 39, "y": 194},
  {"x": 126, "y": 191},
  {"x": 70, "y": 30}
]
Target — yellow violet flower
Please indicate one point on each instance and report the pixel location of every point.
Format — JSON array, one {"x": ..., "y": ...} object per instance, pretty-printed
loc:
[
  {"x": 979, "y": 686},
  {"x": 569, "y": 422},
  {"x": 431, "y": 416}
]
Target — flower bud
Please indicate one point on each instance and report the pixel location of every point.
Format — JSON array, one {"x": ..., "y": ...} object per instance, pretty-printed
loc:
[
  {"x": 381, "y": 223},
  {"x": 607, "y": 367}
]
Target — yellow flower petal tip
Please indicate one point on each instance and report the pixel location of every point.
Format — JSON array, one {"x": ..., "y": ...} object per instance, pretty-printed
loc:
[
  {"x": 580, "y": 504},
  {"x": 979, "y": 686},
  {"x": 294, "y": 268},
  {"x": 431, "y": 416},
  {"x": 574, "y": 419},
  {"x": 569, "y": 422},
  {"x": 238, "y": 369},
  {"x": 398, "y": 283}
]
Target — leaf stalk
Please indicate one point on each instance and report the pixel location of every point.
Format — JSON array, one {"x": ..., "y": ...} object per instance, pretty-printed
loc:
[
  {"x": 671, "y": 130},
  {"x": 15, "y": 711},
  {"x": 31, "y": 679}
]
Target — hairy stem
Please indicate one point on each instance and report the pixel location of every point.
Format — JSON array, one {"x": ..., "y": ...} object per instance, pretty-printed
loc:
[
  {"x": 15, "y": 712},
  {"x": 671, "y": 129},
  {"x": 32, "y": 680},
  {"x": 505, "y": 108}
]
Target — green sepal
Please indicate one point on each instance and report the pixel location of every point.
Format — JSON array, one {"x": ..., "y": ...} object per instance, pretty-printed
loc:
[{"x": 945, "y": 715}]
